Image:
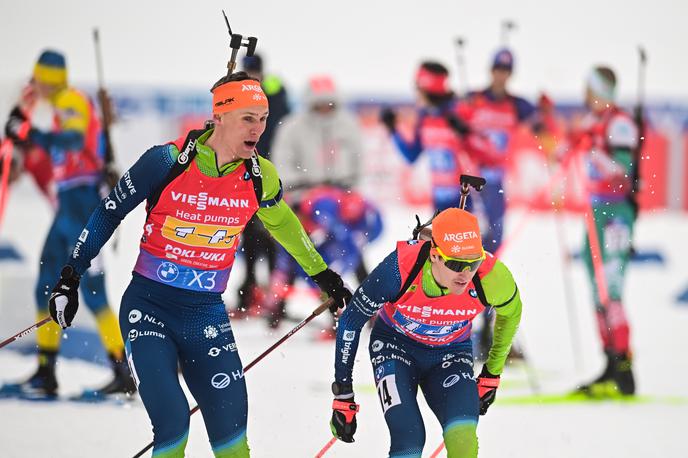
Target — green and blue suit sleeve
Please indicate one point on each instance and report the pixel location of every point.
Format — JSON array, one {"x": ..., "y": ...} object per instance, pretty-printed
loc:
[
  {"x": 284, "y": 226},
  {"x": 502, "y": 293},
  {"x": 382, "y": 285}
]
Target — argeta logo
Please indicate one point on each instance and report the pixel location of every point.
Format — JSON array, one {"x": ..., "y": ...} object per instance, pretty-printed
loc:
[
  {"x": 210, "y": 332},
  {"x": 349, "y": 336},
  {"x": 168, "y": 272},
  {"x": 377, "y": 345},
  {"x": 460, "y": 236},
  {"x": 220, "y": 380},
  {"x": 134, "y": 316},
  {"x": 133, "y": 334}
]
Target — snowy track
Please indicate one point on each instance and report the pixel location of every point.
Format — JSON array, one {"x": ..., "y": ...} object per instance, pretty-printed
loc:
[{"x": 289, "y": 399}]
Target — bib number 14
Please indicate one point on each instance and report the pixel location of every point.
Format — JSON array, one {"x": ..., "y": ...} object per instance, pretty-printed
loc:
[{"x": 387, "y": 392}]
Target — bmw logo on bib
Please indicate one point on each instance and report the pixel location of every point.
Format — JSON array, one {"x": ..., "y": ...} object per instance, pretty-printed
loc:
[
  {"x": 168, "y": 272},
  {"x": 473, "y": 293}
]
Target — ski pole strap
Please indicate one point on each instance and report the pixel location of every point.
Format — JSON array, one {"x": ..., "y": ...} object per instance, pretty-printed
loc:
[
  {"x": 489, "y": 382},
  {"x": 348, "y": 409}
]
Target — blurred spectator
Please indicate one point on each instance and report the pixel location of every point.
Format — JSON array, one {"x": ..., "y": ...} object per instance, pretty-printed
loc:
[
  {"x": 321, "y": 144},
  {"x": 496, "y": 113}
]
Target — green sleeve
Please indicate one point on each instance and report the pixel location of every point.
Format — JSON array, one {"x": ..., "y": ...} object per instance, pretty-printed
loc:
[
  {"x": 284, "y": 226},
  {"x": 501, "y": 291}
]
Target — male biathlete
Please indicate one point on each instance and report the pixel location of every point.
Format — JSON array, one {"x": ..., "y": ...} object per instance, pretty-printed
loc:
[
  {"x": 200, "y": 191},
  {"x": 426, "y": 293}
]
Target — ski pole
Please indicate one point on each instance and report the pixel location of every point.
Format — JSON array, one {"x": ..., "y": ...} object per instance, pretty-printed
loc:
[
  {"x": 321, "y": 308},
  {"x": 461, "y": 64},
  {"x": 6, "y": 157},
  {"x": 438, "y": 450},
  {"x": 595, "y": 248},
  {"x": 327, "y": 446},
  {"x": 507, "y": 27},
  {"x": 25, "y": 332},
  {"x": 569, "y": 298}
]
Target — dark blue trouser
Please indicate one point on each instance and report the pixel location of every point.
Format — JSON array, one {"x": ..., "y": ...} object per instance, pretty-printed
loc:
[
  {"x": 75, "y": 206},
  {"x": 165, "y": 327},
  {"x": 445, "y": 376}
]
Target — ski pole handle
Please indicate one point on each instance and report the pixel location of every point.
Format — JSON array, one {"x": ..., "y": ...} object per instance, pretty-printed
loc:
[
  {"x": 25, "y": 332},
  {"x": 321, "y": 308}
]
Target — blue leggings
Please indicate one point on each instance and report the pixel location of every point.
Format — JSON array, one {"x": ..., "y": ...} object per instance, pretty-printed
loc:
[
  {"x": 445, "y": 376},
  {"x": 75, "y": 206},
  {"x": 165, "y": 328}
]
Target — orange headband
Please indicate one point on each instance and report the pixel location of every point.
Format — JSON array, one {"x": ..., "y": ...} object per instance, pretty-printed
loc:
[{"x": 238, "y": 94}]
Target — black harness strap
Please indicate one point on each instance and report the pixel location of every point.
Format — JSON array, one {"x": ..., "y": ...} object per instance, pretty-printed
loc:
[
  {"x": 253, "y": 167},
  {"x": 415, "y": 270},
  {"x": 481, "y": 292},
  {"x": 186, "y": 155},
  {"x": 509, "y": 301}
]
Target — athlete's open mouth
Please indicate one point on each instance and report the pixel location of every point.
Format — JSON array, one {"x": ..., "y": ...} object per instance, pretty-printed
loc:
[{"x": 250, "y": 144}]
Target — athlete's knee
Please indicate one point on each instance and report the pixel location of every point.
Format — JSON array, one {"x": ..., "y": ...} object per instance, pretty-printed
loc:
[
  {"x": 235, "y": 446},
  {"x": 407, "y": 440},
  {"x": 171, "y": 448},
  {"x": 460, "y": 438}
]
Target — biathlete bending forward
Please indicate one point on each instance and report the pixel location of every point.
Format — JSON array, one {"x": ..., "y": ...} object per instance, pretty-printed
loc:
[
  {"x": 200, "y": 191},
  {"x": 426, "y": 293}
]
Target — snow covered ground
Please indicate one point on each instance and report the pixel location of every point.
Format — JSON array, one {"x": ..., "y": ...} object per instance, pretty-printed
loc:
[{"x": 289, "y": 398}]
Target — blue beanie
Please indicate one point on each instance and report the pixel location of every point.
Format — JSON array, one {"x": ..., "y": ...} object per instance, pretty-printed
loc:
[
  {"x": 51, "y": 68},
  {"x": 503, "y": 59}
]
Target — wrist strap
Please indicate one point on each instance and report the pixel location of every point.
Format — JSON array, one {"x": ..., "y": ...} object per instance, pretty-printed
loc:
[
  {"x": 489, "y": 382},
  {"x": 348, "y": 409}
]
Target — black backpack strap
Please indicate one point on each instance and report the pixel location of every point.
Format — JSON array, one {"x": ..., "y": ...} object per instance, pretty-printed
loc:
[
  {"x": 483, "y": 299},
  {"x": 415, "y": 270},
  {"x": 186, "y": 155},
  {"x": 253, "y": 169},
  {"x": 481, "y": 292}
]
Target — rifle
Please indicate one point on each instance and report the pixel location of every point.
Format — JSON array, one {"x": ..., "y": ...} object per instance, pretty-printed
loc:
[
  {"x": 639, "y": 120},
  {"x": 110, "y": 173}
]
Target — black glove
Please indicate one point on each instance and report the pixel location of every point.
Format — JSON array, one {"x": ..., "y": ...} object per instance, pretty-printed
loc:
[
  {"x": 330, "y": 282},
  {"x": 487, "y": 389},
  {"x": 64, "y": 300},
  {"x": 344, "y": 410},
  {"x": 17, "y": 126},
  {"x": 458, "y": 125},
  {"x": 389, "y": 119}
]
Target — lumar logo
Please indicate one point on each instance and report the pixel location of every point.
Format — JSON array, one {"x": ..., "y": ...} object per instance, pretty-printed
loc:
[
  {"x": 251, "y": 87},
  {"x": 202, "y": 200},
  {"x": 224, "y": 102},
  {"x": 460, "y": 236}
]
